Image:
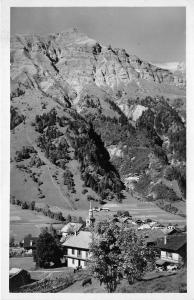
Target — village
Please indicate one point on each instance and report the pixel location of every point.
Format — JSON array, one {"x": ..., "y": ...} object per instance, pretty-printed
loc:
[{"x": 169, "y": 241}]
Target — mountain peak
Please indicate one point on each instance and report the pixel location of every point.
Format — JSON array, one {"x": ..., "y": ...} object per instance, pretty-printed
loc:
[{"x": 81, "y": 60}]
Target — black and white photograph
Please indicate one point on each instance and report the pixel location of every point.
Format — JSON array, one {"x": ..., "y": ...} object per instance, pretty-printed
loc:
[{"x": 97, "y": 191}]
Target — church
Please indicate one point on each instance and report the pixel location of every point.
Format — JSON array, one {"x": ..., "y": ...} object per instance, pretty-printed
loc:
[{"x": 78, "y": 246}]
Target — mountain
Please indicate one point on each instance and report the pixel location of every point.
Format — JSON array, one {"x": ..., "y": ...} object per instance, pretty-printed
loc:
[
  {"x": 172, "y": 66},
  {"x": 86, "y": 118}
]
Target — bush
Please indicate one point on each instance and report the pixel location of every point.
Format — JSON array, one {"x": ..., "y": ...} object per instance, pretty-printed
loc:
[
  {"x": 84, "y": 191},
  {"x": 47, "y": 119},
  {"x": 123, "y": 213},
  {"x": 32, "y": 205},
  {"x": 24, "y": 205},
  {"x": 36, "y": 161},
  {"x": 90, "y": 198},
  {"x": 15, "y": 118},
  {"x": 24, "y": 153}
]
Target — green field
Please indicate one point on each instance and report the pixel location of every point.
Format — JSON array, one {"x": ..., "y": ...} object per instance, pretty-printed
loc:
[
  {"x": 24, "y": 222},
  {"x": 25, "y": 263}
]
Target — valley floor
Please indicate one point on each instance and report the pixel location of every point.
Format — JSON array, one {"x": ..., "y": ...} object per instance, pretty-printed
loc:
[{"x": 23, "y": 222}]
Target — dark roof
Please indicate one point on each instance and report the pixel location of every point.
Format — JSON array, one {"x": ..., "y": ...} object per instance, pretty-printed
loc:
[
  {"x": 173, "y": 242},
  {"x": 153, "y": 235}
]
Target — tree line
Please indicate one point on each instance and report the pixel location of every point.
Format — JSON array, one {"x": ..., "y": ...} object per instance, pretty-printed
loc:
[{"x": 45, "y": 211}]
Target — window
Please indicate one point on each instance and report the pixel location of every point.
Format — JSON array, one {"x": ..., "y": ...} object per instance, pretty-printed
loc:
[
  {"x": 73, "y": 261},
  {"x": 79, "y": 253},
  {"x": 72, "y": 251},
  {"x": 86, "y": 253},
  {"x": 168, "y": 255},
  {"x": 85, "y": 264}
]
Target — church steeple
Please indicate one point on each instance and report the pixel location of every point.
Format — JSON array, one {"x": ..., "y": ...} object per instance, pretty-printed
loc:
[{"x": 90, "y": 220}]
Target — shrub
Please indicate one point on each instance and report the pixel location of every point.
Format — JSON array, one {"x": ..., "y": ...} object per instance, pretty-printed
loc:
[
  {"x": 24, "y": 153},
  {"x": 15, "y": 118},
  {"x": 123, "y": 213},
  {"x": 32, "y": 205},
  {"x": 24, "y": 205},
  {"x": 90, "y": 198},
  {"x": 84, "y": 191}
]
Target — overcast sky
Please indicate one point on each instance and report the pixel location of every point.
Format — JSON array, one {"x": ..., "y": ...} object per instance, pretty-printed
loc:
[{"x": 155, "y": 34}]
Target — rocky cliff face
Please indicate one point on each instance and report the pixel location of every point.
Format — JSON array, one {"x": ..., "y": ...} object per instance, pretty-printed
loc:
[{"x": 73, "y": 61}]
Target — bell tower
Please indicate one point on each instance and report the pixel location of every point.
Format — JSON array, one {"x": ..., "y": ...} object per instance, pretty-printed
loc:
[{"x": 90, "y": 220}]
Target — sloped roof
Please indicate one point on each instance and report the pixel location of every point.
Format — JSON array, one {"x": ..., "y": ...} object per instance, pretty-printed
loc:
[
  {"x": 74, "y": 226},
  {"x": 14, "y": 271},
  {"x": 173, "y": 242},
  {"x": 81, "y": 240},
  {"x": 154, "y": 234}
]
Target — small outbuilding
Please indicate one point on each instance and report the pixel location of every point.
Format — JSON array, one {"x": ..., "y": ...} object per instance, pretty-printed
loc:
[
  {"x": 173, "y": 248},
  {"x": 29, "y": 242}
]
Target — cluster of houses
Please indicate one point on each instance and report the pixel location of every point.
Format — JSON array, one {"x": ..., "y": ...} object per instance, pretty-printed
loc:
[{"x": 76, "y": 238}]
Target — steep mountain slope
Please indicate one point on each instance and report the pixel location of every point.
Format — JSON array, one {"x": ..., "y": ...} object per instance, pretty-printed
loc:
[{"x": 92, "y": 118}]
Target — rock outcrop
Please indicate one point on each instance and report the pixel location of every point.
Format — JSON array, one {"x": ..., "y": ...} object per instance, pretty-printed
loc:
[{"x": 69, "y": 61}]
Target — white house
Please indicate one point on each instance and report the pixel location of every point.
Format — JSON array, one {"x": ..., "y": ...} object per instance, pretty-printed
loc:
[{"x": 77, "y": 249}]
